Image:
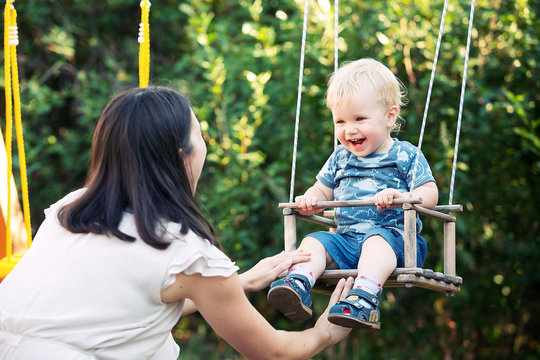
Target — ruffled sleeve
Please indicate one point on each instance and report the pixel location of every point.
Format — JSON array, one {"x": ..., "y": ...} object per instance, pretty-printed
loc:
[{"x": 195, "y": 255}]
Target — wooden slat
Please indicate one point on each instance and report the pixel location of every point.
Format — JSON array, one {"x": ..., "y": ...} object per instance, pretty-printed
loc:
[
  {"x": 409, "y": 238},
  {"x": 425, "y": 283},
  {"x": 450, "y": 248},
  {"x": 290, "y": 232},
  {"x": 401, "y": 277}
]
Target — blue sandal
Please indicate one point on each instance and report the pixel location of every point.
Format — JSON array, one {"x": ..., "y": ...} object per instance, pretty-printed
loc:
[
  {"x": 288, "y": 297},
  {"x": 352, "y": 314}
]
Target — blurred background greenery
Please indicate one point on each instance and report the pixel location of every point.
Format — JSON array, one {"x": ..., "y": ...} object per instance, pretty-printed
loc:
[{"x": 238, "y": 61}]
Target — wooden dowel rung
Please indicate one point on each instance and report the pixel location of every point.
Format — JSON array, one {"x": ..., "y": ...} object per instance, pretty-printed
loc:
[
  {"x": 439, "y": 208},
  {"x": 431, "y": 213},
  {"x": 350, "y": 203},
  {"x": 318, "y": 220},
  {"x": 333, "y": 274},
  {"x": 449, "y": 208},
  {"x": 329, "y": 213}
]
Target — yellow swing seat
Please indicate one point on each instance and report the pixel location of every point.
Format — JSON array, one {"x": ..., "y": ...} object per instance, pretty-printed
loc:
[{"x": 8, "y": 263}]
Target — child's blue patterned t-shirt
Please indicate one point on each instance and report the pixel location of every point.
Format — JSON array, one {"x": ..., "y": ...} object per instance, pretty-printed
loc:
[{"x": 360, "y": 178}]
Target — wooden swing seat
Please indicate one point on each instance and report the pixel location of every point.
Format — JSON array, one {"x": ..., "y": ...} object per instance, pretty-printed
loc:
[{"x": 408, "y": 276}]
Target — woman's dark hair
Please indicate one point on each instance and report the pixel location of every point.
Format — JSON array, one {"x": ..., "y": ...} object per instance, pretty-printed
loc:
[{"x": 137, "y": 165}]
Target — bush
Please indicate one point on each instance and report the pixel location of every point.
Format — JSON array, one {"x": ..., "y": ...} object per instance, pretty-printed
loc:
[{"x": 238, "y": 62}]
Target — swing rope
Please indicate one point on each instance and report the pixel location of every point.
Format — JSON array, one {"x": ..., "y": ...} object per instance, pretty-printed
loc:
[
  {"x": 144, "y": 44},
  {"x": 13, "y": 104},
  {"x": 336, "y": 49},
  {"x": 298, "y": 100},
  {"x": 300, "y": 80},
  {"x": 428, "y": 99},
  {"x": 461, "y": 101}
]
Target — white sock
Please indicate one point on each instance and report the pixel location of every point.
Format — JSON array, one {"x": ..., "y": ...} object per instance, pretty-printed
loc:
[
  {"x": 295, "y": 269},
  {"x": 370, "y": 285}
]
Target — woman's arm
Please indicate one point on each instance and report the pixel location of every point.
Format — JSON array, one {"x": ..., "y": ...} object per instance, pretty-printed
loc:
[
  {"x": 261, "y": 275},
  {"x": 189, "y": 306},
  {"x": 223, "y": 304},
  {"x": 268, "y": 269}
]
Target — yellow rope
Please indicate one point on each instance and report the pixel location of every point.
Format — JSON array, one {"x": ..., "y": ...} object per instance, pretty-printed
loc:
[
  {"x": 9, "y": 119},
  {"x": 19, "y": 132},
  {"x": 11, "y": 81},
  {"x": 144, "y": 44}
]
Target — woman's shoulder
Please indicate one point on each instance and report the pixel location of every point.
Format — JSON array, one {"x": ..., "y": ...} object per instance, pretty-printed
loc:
[{"x": 69, "y": 198}]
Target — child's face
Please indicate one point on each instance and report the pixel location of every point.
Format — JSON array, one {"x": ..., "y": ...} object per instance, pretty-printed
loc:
[
  {"x": 194, "y": 162},
  {"x": 363, "y": 125}
]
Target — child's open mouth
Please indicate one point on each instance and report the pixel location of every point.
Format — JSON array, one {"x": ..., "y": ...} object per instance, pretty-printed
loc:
[{"x": 357, "y": 142}]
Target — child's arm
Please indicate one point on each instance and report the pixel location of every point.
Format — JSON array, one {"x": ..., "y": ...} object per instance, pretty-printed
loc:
[
  {"x": 427, "y": 191},
  {"x": 318, "y": 192}
]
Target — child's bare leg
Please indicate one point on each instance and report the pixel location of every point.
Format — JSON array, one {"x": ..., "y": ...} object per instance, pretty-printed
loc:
[
  {"x": 361, "y": 308},
  {"x": 377, "y": 260},
  {"x": 319, "y": 256}
]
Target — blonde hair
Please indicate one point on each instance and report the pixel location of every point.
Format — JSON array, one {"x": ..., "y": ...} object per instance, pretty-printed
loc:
[{"x": 346, "y": 83}]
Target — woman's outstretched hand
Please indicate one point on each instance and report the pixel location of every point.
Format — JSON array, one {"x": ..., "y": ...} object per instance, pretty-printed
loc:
[
  {"x": 267, "y": 270},
  {"x": 336, "y": 332}
]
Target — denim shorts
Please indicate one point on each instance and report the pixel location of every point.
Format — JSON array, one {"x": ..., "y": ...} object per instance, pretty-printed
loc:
[{"x": 346, "y": 248}]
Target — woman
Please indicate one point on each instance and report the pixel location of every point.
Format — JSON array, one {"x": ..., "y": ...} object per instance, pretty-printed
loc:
[{"x": 116, "y": 263}]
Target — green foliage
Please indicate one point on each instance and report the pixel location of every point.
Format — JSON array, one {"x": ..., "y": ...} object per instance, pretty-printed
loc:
[{"x": 238, "y": 62}]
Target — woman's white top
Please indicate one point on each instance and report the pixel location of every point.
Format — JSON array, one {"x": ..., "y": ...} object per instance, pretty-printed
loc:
[{"x": 100, "y": 294}]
